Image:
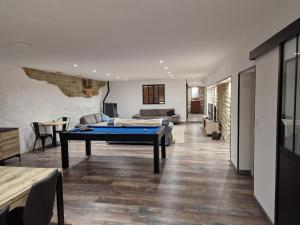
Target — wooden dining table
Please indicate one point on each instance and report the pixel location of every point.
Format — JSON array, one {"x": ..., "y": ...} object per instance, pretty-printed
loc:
[
  {"x": 54, "y": 124},
  {"x": 16, "y": 182}
]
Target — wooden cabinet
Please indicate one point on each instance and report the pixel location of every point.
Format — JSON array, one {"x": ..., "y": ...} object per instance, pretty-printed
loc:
[
  {"x": 9, "y": 143},
  {"x": 210, "y": 126}
]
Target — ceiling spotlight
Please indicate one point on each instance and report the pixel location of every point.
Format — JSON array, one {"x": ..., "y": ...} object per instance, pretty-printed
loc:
[
  {"x": 94, "y": 70},
  {"x": 118, "y": 77},
  {"x": 75, "y": 65},
  {"x": 166, "y": 68},
  {"x": 169, "y": 72},
  {"x": 161, "y": 61},
  {"x": 125, "y": 79},
  {"x": 108, "y": 74}
]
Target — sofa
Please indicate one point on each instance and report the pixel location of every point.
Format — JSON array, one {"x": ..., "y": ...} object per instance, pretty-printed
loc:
[
  {"x": 168, "y": 114},
  {"x": 97, "y": 119},
  {"x": 91, "y": 119}
]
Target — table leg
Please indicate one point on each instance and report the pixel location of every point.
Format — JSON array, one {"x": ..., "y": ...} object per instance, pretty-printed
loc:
[
  {"x": 54, "y": 142},
  {"x": 156, "y": 156},
  {"x": 163, "y": 147},
  {"x": 88, "y": 147},
  {"x": 60, "y": 200},
  {"x": 64, "y": 153}
]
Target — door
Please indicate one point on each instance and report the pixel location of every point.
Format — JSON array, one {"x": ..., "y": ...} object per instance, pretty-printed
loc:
[
  {"x": 246, "y": 121},
  {"x": 288, "y": 177}
]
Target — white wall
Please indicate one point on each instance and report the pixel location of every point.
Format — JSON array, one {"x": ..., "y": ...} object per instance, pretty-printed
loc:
[
  {"x": 238, "y": 61},
  {"x": 266, "y": 129},
  {"x": 24, "y": 100},
  {"x": 129, "y": 97}
]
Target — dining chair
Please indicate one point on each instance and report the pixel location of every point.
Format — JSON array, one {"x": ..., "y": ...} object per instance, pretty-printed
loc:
[
  {"x": 38, "y": 209},
  {"x": 40, "y": 134},
  {"x": 3, "y": 216},
  {"x": 65, "y": 126}
]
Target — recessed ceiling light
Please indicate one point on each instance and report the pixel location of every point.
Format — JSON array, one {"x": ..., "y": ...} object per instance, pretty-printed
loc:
[
  {"x": 108, "y": 74},
  {"x": 75, "y": 65},
  {"x": 21, "y": 44},
  {"x": 118, "y": 77},
  {"x": 94, "y": 70},
  {"x": 169, "y": 72},
  {"x": 166, "y": 68},
  {"x": 161, "y": 61},
  {"x": 125, "y": 79}
]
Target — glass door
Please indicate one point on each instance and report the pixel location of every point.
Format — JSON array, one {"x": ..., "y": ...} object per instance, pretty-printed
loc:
[{"x": 288, "y": 167}]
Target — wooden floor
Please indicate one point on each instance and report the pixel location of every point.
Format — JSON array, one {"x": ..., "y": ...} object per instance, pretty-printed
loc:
[{"x": 197, "y": 184}]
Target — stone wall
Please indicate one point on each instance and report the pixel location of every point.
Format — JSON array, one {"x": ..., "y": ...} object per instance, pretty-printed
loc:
[
  {"x": 223, "y": 102},
  {"x": 71, "y": 86}
]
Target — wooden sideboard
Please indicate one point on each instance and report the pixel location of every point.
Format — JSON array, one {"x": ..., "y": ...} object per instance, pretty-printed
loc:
[
  {"x": 9, "y": 143},
  {"x": 210, "y": 126}
]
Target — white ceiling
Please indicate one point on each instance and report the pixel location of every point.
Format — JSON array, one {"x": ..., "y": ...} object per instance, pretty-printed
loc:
[{"x": 126, "y": 38}]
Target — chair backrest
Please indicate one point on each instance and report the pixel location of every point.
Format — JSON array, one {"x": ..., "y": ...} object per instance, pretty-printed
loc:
[
  {"x": 3, "y": 216},
  {"x": 36, "y": 128},
  {"x": 38, "y": 209},
  {"x": 65, "y": 126}
]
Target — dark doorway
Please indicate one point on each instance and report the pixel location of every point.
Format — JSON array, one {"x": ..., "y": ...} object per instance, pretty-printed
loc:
[{"x": 195, "y": 103}]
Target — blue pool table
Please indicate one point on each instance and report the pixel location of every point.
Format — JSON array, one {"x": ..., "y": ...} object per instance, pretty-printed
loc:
[{"x": 154, "y": 135}]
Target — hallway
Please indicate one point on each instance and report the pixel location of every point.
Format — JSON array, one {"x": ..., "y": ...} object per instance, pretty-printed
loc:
[{"x": 197, "y": 184}]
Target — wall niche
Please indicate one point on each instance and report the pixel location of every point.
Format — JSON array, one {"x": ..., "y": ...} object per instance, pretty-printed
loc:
[{"x": 70, "y": 86}]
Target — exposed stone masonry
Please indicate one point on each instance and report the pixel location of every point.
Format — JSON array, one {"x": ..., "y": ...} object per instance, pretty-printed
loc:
[
  {"x": 223, "y": 102},
  {"x": 220, "y": 96},
  {"x": 71, "y": 86}
]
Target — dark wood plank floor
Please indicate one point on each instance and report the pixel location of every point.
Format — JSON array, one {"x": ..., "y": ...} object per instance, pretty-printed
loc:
[{"x": 117, "y": 186}]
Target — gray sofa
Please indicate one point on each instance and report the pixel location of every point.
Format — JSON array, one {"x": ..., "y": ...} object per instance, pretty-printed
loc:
[
  {"x": 91, "y": 119},
  {"x": 96, "y": 120},
  {"x": 158, "y": 113}
]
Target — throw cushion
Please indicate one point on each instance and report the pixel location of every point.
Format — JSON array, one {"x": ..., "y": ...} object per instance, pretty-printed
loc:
[
  {"x": 148, "y": 112},
  {"x": 171, "y": 112},
  {"x": 105, "y": 118},
  {"x": 98, "y": 117},
  {"x": 88, "y": 119},
  {"x": 162, "y": 112}
]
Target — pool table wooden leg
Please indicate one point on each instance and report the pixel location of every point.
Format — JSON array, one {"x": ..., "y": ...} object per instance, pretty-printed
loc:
[
  {"x": 64, "y": 153},
  {"x": 163, "y": 147},
  {"x": 87, "y": 147},
  {"x": 156, "y": 156}
]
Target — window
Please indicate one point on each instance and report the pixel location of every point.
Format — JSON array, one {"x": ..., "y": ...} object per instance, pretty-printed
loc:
[
  {"x": 195, "y": 92},
  {"x": 154, "y": 94},
  {"x": 290, "y": 116}
]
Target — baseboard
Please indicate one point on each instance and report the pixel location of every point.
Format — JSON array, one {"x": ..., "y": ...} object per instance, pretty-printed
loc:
[
  {"x": 234, "y": 167},
  {"x": 244, "y": 172},
  {"x": 263, "y": 210}
]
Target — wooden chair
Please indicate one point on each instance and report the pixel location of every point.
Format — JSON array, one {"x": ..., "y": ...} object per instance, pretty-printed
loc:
[
  {"x": 65, "y": 127},
  {"x": 38, "y": 209},
  {"x": 36, "y": 127},
  {"x": 4, "y": 216}
]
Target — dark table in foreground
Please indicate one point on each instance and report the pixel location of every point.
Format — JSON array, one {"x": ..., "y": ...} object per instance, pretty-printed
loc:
[{"x": 154, "y": 135}]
